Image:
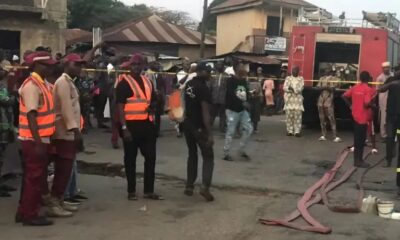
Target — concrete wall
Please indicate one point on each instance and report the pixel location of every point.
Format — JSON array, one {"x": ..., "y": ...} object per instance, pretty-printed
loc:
[
  {"x": 234, "y": 28},
  {"x": 193, "y": 52},
  {"x": 39, "y": 29}
]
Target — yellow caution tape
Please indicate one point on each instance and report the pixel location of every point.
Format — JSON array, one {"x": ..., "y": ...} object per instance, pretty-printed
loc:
[
  {"x": 398, "y": 170},
  {"x": 92, "y": 70},
  {"x": 398, "y": 131}
]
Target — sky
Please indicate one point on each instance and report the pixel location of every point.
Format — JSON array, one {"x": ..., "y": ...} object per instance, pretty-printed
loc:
[{"x": 352, "y": 8}]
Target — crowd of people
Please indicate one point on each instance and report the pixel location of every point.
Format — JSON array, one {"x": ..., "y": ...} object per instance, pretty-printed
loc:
[{"x": 48, "y": 103}]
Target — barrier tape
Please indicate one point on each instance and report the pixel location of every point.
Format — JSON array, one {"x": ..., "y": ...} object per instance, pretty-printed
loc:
[{"x": 93, "y": 70}]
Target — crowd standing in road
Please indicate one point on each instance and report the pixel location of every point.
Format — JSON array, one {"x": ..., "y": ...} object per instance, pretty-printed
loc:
[{"x": 56, "y": 99}]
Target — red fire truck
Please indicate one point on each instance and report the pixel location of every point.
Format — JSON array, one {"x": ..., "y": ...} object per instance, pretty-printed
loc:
[{"x": 347, "y": 48}]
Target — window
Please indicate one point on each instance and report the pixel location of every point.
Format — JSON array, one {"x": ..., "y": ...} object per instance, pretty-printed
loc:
[{"x": 273, "y": 26}]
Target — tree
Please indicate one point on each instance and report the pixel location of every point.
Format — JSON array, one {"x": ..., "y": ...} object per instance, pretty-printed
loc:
[
  {"x": 176, "y": 17},
  {"x": 86, "y": 14},
  {"x": 212, "y": 18}
]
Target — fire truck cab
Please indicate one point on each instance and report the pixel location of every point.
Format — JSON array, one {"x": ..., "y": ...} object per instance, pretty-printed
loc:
[{"x": 346, "y": 47}]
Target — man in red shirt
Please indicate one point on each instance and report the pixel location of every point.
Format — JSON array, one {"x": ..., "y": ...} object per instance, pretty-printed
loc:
[{"x": 359, "y": 99}]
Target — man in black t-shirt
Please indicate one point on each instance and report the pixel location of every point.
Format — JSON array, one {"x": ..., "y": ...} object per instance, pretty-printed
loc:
[
  {"x": 136, "y": 100},
  {"x": 237, "y": 111},
  {"x": 197, "y": 130}
]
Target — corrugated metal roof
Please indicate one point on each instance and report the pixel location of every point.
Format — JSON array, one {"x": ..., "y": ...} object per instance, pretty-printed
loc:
[
  {"x": 72, "y": 34},
  {"x": 152, "y": 29},
  {"x": 231, "y": 5},
  {"x": 18, "y": 2}
]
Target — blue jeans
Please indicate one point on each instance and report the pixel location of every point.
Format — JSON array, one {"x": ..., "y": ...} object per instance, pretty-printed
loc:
[
  {"x": 233, "y": 119},
  {"x": 72, "y": 188}
]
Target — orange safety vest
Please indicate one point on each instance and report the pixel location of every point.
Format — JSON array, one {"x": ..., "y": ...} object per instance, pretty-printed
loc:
[
  {"x": 137, "y": 106},
  {"x": 46, "y": 116}
]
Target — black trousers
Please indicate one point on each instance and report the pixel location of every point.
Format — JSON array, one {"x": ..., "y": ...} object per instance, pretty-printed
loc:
[
  {"x": 360, "y": 135},
  {"x": 100, "y": 102},
  {"x": 157, "y": 119},
  {"x": 392, "y": 124},
  {"x": 197, "y": 138},
  {"x": 143, "y": 139},
  {"x": 218, "y": 110}
]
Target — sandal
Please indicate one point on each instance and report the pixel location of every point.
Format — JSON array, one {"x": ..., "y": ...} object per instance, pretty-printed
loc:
[{"x": 153, "y": 196}]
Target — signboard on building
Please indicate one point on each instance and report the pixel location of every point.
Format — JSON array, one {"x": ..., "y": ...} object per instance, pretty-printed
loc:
[{"x": 277, "y": 44}]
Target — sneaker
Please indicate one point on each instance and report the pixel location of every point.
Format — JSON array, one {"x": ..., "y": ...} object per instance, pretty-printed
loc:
[
  {"x": 289, "y": 134},
  {"x": 298, "y": 135},
  {"x": 132, "y": 197},
  {"x": 337, "y": 140},
  {"x": 245, "y": 156},
  {"x": 228, "y": 158},
  {"x": 322, "y": 138},
  {"x": 38, "y": 222},
  {"x": 80, "y": 196},
  {"x": 207, "y": 195},
  {"x": 68, "y": 207},
  {"x": 72, "y": 202},
  {"x": 57, "y": 212},
  {"x": 4, "y": 194},
  {"x": 188, "y": 191},
  {"x": 54, "y": 208}
]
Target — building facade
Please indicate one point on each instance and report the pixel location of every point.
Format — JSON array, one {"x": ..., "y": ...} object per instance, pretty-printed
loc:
[
  {"x": 256, "y": 26},
  {"x": 27, "y": 24}
]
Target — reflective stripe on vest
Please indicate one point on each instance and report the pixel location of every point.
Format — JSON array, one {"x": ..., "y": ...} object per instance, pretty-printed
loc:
[
  {"x": 45, "y": 115},
  {"x": 136, "y": 107}
]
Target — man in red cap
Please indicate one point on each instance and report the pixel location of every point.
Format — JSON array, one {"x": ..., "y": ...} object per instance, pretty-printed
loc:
[
  {"x": 136, "y": 101},
  {"x": 67, "y": 139},
  {"x": 36, "y": 126}
]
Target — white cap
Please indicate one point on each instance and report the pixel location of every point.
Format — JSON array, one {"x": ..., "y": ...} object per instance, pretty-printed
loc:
[
  {"x": 386, "y": 64},
  {"x": 193, "y": 65},
  {"x": 15, "y": 58}
]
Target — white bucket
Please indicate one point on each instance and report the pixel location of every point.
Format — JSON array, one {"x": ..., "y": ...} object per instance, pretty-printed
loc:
[{"x": 385, "y": 209}]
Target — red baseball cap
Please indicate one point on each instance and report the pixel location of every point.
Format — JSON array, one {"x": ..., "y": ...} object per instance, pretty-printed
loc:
[
  {"x": 40, "y": 57},
  {"x": 73, "y": 57},
  {"x": 135, "y": 59}
]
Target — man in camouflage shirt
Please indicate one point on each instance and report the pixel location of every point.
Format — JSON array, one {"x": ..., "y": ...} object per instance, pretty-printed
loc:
[{"x": 327, "y": 85}]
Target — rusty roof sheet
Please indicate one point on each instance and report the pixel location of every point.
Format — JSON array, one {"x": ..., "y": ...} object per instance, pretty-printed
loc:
[
  {"x": 152, "y": 29},
  {"x": 28, "y": 3},
  {"x": 232, "y": 5},
  {"x": 71, "y": 35}
]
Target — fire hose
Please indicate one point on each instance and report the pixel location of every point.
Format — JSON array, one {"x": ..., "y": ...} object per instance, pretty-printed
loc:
[{"x": 325, "y": 185}]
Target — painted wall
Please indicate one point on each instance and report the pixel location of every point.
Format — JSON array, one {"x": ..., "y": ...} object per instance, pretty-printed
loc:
[
  {"x": 193, "y": 52},
  {"x": 36, "y": 30},
  {"x": 238, "y": 27},
  {"x": 234, "y": 27}
]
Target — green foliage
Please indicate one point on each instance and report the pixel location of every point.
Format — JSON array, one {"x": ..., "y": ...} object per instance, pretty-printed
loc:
[
  {"x": 212, "y": 18},
  {"x": 86, "y": 14}
]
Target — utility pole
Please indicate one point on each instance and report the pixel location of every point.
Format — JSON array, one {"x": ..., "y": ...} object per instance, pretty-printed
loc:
[{"x": 204, "y": 28}]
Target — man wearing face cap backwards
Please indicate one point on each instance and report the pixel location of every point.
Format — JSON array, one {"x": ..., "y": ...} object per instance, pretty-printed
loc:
[{"x": 137, "y": 101}]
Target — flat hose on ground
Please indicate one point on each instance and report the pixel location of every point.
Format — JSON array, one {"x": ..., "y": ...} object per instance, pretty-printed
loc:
[{"x": 324, "y": 186}]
